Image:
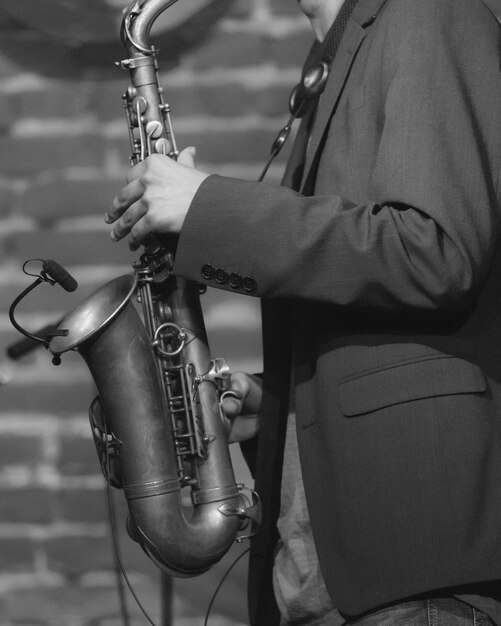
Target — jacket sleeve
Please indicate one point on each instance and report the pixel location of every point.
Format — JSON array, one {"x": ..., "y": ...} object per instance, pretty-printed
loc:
[{"x": 424, "y": 238}]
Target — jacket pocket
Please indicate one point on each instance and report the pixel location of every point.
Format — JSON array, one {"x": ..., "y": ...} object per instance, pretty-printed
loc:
[{"x": 407, "y": 381}]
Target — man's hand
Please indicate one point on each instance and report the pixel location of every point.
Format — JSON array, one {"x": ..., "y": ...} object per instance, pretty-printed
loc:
[
  {"x": 156, "y": 198},
  {"x": 241, "y": 413}
]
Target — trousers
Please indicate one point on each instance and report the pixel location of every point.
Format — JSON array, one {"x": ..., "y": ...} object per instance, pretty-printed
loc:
[{"x": 423, "y": 612}]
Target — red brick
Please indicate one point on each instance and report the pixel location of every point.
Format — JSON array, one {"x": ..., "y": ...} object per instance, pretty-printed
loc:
[
  {"x": 33, "y": 51},
  {"x": 227, "y": 145},
  {"x": 6, "y": 201},
  {"x": 62, "y": 605},
  {"x": 28, "y": 505},
  {"x": 231, "y": 99},
  {"x": 5, "y": 113},
  {"x": 58, "y": 400},
  {"x": 249, "y": 49},
  {"x": 68, "y": 198},
  {"x": 84, "y": 505},
  {"x": 77, "y": 554},
  {"x": 228, "y": 49},
  {"x": 8, "y": 66},
  {"x": 273, "y": 101},
  {"x": 31, "y": 154},
  {"x": 20, "y": 449},
  {"x": 17, "y": 555},
  {"x": 292, "y": 50},
  {"x": 79, "y": 457},
  {"x": 72, "y": 248},
  {"x": 62, "y": 100},
  {"x": 108, "y": 103},
  {"x": 194, "y": 97}
]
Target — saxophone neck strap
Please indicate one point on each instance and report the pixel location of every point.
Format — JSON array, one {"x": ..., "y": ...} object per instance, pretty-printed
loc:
[
  {"x": 316, "y": 69},
  {"x": 318, "y": 64}
]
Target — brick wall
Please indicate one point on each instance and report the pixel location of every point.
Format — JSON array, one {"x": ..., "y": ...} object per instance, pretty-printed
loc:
[{"x": 64, "y": 152}]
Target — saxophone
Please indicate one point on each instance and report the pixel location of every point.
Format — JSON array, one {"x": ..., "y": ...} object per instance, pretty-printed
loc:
[{"x": 157, "y": 420}]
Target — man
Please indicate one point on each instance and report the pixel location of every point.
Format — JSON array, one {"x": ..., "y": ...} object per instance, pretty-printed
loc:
[{"x": 380, "y": 277}]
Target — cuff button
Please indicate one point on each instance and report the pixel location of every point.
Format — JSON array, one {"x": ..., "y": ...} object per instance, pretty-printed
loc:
[
  {"x": 208, "y": 272},
  {"x": 221, "y": 276},
  {"x": 235, "y": 280},
  {"x": 249, "y": 284}
]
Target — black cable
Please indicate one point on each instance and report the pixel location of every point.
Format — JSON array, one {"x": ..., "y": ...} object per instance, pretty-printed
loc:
[
  {"x": 121, "y": 566},
  {"x": 121, "y": 591},
  {"x": 225, "y": 576},
  {"x": 116, "y": 546}
]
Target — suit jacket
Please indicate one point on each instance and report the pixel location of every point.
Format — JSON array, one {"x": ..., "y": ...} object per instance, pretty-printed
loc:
[{"x": 383, "y": 278}]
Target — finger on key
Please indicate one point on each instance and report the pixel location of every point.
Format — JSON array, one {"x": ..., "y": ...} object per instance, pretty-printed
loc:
[
  {"x": 128, "y": 221},
  {"x": 123, "y": 200}
]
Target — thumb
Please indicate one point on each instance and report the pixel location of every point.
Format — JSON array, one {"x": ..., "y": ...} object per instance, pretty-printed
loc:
[
  {"x": 187, "y": 157},
  {"x": 232, "y": 402}
]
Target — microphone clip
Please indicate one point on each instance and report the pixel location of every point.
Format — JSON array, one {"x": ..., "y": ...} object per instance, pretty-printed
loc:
[{"x": 51, "y": 273}]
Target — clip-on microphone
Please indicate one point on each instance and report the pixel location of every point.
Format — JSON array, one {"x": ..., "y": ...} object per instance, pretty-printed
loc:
[{"x": 51, "y": 273}]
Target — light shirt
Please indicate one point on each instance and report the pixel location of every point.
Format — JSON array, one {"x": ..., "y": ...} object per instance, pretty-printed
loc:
[{"x": 300, "y": 592}]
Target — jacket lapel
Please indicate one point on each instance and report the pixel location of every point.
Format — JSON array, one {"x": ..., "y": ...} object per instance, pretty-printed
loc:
[{"x": 363, "y": 15}]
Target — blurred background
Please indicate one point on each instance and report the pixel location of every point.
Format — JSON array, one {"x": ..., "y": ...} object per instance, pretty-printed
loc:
[{"x": 227, "y": 67}]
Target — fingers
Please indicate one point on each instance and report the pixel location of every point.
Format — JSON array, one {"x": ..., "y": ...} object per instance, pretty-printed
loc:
[
  {"x": 243, "y": 428},
  {"x": 139, "y": 234},
  {"x": 129, "y": 223},
  {"x": 232, "y": 403},
  {"x": 241, "y": 405},
  {"x": 127, "y": 196},
  {"x": 134, "y": 190},
  {"x": 128, "y": 208},
  {"x": 187, "y": 156},
  {"x": 247, "y": 398},
  {"x": 156, "y": 198}
]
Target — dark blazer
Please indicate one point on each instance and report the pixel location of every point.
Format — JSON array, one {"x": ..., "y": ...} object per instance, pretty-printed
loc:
[{"x": 384, "y": 279}]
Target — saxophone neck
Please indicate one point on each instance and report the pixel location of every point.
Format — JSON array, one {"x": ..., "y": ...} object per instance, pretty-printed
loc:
[
  {"x": 137, "y": 21},
  {"x": 148, "y": 116}
]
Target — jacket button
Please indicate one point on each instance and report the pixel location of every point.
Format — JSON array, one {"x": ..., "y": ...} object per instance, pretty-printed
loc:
[
  {"x": 235, "y": 280},
  {"x": 208, "y": 272},
  {"x": 221, "y": 276},
  {"x": 249, "y": 284}
]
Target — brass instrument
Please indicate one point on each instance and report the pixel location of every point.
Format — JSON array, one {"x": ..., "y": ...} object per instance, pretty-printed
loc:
[{"x": 157, "y": 420}]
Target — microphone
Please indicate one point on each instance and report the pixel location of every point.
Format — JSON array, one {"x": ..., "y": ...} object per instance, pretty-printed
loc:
[{"x": 59, "y": 275}]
